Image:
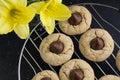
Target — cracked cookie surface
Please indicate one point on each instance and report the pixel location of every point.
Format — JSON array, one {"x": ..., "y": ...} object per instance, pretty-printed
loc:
[
  {"x": 53, "y": 58},
  {"x": 118, "y": 60},
  {"x": 76, "y": 64},
  {"x": 96, "y": 38},
  {"x": 82, "y": 26},
  {"x": 46, "y": 75},
  {"x": 110, "y": 77}
]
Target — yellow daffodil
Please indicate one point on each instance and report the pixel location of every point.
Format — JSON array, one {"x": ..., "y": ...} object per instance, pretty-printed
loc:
[
  {"x": 51, "y": 10},
  {"x": 15, "y": 16}
]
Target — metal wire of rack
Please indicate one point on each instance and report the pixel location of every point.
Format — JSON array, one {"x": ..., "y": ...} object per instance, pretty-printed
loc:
[{"x": 30, "y": 50}]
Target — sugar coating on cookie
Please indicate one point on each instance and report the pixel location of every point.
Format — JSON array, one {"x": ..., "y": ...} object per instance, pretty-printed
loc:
[
  {"x": 46, "y": 75},
  {"x": 76, "y": 69},
  {"x": 109, "y": 77},
  {"x": 79, "y": 21},
  {"x": 118, "y": 60},
  {"x": 56, "y": 49},
  {"x": 96, "y": 45}
]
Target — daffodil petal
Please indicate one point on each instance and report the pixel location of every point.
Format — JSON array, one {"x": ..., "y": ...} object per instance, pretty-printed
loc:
[
  {"x": 19, "y": 2},
  {"x": 40, "y": 6},
  {"x": 37, "y": 6},
  {"x": 5, "y": 27},
  {"x": 58, "y": 1},
  {"x": 2, "y": 3},
  {"x": 47, "y": 3},
  {"x": 3, "y": 11},
  {"x": 22, "y": 31},
  {"x": 16, "y": 2},
  {"x": 27, "y": 15},
  {"x": 58, "y": 11},
  {"x": 22, "y": 2},
  {"x": 48, "y": 23},
  {"x": 23, "y": 15},
  {"x": 5, "y": 4}
]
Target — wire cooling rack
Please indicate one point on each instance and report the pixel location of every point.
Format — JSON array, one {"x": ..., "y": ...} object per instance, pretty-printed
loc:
[{"x": 104, "y": 16}]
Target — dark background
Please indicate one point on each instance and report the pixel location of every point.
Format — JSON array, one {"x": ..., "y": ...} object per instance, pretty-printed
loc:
[{"x": 11, "y": 45}]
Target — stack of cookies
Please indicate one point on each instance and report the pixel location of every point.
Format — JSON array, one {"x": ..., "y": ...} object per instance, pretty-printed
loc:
[{"x": 57, "y": 49}]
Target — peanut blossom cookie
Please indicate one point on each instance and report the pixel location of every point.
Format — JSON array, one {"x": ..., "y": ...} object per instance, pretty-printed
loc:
[
  {"x": 46, "y": 75},
  {"x": 56, "y": 49},
  {"x": 110, "y": 77},
  {"x": 96, "y": 45},
  {"x": 79, "y": 21},
  {"x": 76, "y": 69},
  {"x": 118, "y": 60}
]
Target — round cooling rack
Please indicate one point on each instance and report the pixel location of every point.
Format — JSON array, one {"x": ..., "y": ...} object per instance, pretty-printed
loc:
[{"x": 104, "y": 16}]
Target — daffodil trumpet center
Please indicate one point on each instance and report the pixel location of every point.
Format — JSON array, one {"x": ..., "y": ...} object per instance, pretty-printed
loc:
[{"x": 15, "y": 14}]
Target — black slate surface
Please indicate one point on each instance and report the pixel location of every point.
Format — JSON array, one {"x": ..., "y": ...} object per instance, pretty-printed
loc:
[{"x": 11, "y": 45}]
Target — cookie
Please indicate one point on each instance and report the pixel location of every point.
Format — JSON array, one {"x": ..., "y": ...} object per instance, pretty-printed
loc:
[
  {"x": 79, "y": 21},
  {"x": 46, "y": 75},
  {"x": 56, "y": 49},
  {"x": 96, "y": 45},
  {"x": 76, "y": 69},
  {"x": 109, "y": 77},
  {"x": 118, "y": 60}
]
